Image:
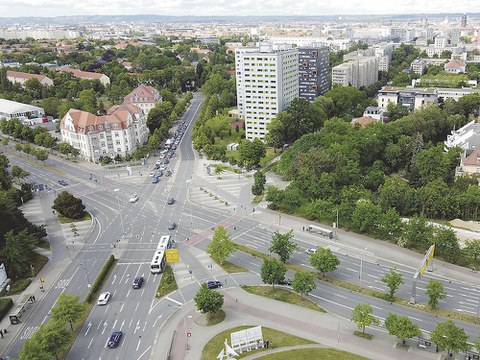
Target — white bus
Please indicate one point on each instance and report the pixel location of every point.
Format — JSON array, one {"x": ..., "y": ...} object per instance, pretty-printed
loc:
[
  {"x": 158, "y": 262},
  {"x": 320, "y": 230},
  {"x": 165, "y": 243}
]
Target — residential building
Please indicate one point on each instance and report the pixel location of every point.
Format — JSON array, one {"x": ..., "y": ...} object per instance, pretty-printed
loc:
[
  {"x": 15, "y": 110},
  {"x": 469, "y": 163},
  {"x": 104, "y": 79},
  {"x": 467, "y": 137},
  {"x": 120, "y": 132},
  {"x": 267, "y": 82},
  {"x": 21, "y": 78},
  {"x": 357, "y": 72},
  {"x": 418, "y": 66},
  {"x": 413, "y": 99},
  {"x": 374, "y": 112},
  {"x": 145, "y": 97},
  {"x": 455, "y": 67},
  {"x": 313, "y": 72}
]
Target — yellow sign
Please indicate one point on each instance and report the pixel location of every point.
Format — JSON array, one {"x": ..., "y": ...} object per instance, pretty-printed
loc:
[
  {"x": 172, "y": 255},
  {"x": 430, "y": 253},
  {"x": 42, "y": 279},
  {"x": 423, "y": 268}
]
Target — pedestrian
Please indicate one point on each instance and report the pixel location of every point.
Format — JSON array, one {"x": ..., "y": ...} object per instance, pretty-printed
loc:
[
  {"x": 1, "y": 334},
  {"x": 303, "y": 228}
]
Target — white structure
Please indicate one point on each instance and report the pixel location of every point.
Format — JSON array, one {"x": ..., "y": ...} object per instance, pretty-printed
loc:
[
  {"x": 12, "y": 109},
  {"x": 120, "y": 132},
  {"x": 455, "y": 67},
  {"x": 145, "y": 97},
  {"x": 418, "y": 66},
  {"x": 267, "y": 82},
  {"x": 357, "y": 72},
  {"x": 21, "y": 77},
  {"x": 104, "y": 79},
  {"x": 467, "y": 137}
]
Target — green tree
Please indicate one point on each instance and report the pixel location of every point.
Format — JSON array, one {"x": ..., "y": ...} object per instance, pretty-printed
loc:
[
  {"x": 251, "y": 152},
  {"x": 53, "y": 337},
  {"x": 324, "y": 260},
  {"x": 68, "y": 308},
  {"x": 208, "y": 301},
  {"x": 221, "y": 245},
  {"x": 41, "y": 155},
  {"x": 259, "y": 183},
  {"x": 472, "y": 249},
  {"x": 435, "y": 292},
  {"x": 362, "y": 315},
  {"x": 282, "y": 246},
  {"x": 365, "y": 216},
  {"x": 18, "y": 173},
  {"x": 303, "y": 283},
  {"x": 32, "y": 349},
  {"x": 396, "y": 111},
  {"x": 272, "y": 271},
  {"x": 68, "y": 205},
  {"x": 446, "y": 244},
  {"x": 401, "y": 327},
  {"x": 449, "y": 337},
  {"x": 393, "y": 280},
  {"x": 17, "y": 252}
]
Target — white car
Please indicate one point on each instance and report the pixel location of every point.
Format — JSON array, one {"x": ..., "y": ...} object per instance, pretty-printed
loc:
[
  {"x": 152, "y": 174},
  {"x": 104, "y": 298},
  {"x": 310, "y": 251},
  {"x": 134, "y": 198}
]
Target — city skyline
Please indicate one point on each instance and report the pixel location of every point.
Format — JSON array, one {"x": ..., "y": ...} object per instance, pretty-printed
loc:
[{"x": 51, "y": 8}]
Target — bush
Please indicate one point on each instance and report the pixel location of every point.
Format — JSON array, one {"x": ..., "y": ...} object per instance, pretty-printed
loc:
[
  {"x": 5, "y": 306},
  {"x": 100, "y": 279}
]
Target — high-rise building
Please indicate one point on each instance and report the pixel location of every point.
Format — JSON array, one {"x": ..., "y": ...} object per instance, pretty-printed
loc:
[
  {"x": 267, "y": 82},
  {"x": 357, "y": 72},
  {"x": 313, "y": 72},
  {"x": 464, "y": 21}
]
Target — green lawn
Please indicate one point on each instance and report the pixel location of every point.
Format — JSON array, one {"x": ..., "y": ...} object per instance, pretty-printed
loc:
[
  {"x": 315, "y": 353},
  {"x": 282, "y": 294},
  {"x": 65, "y": 220},
  {"x": 167, "y": 284},
  {"x": 232, "y": 268},
  {"x": 277, "y": 339}
]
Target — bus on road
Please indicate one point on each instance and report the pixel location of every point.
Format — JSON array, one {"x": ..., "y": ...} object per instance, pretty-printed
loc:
[
  {"x": 165, "y": 243},
  {"x": 158, "y": 262},
  {"x": 320, "y": 230}
]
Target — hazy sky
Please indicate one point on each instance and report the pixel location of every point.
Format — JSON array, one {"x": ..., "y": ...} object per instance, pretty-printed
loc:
[{"x": 14, "y": 8}]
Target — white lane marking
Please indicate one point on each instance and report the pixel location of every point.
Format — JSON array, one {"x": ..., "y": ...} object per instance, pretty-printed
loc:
[
  {"x": 88, "y": 328},
  {"x": 158, "y": 318},
  {"x": 90, "y": 343},
  {"x": 173, "y": 300},
  {"x": 138, "y": 345}
]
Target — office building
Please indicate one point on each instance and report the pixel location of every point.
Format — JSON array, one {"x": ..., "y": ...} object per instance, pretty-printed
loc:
[{"x": 267, "y": 82}]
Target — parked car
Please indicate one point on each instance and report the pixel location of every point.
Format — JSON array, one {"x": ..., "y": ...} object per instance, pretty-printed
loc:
[
  {"x": 168, "y": 173},
  {"x": 172, "y": 226},
  {"x": 104, "y": 298},
  {"x": 137, "y": 282},
  {"x": 310, "y": 251},
  {"x": 155, "y": 179},
  {"x": 174, "y": 146},
  {"x": 166, "y": 161},
  {"x": 159, "y": 173},
  {"x": 152, "y": 174},
  {"x": 285, "y": 282},
  {"x": 171, "y": 201},
  {"x": 63, "y": 182},
  {"x": 214, "y": 284},
  {"x": 134, "y": 198},
  {"x": 114, "y": 339}
]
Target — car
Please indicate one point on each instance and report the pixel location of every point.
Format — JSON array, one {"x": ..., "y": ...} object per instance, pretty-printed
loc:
[
  {"x": 310, "y": 251},
  {"x": 159, "y": 173},
  {"x": 104, "y": 298},
  {"x": 166, "y": 161},
  {"x": 214, "y": 284},
  {"x": 170, "y": 201},
  {"x": 152, "y": 174},
  {"x": 137, "y": 282},
  {"x": 172, "y": 226},
  {"x": 155, "y": 179},
  {"x": 134, "y": 198},
  {"x": 159, "y": 161},
  {"x": 114, "y": 339},
  {"x": 174, "y": 147},
  {"x": 168, "y": 173},
  {"x": 285, "y": 282},
  {"x": 63, "y": 182}
]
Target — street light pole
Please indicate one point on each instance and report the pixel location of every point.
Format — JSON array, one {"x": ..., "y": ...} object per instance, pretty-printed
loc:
[
  {"x": 86, "y": 274},
  {"x": 118, "y": 208}
]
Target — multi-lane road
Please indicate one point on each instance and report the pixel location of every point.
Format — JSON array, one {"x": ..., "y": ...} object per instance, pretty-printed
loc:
[{"x": 131, "y": 231}]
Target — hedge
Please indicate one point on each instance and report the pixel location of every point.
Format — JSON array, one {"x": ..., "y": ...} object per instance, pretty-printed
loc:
[
  {"x": 100, "y": 279},
  {"x": 5, "y": 306}
]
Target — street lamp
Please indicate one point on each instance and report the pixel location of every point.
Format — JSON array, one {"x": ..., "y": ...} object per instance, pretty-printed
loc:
[
  {"x": 86, "y": 274},
  {"x": 118, "y": 208},
  {"x": 361, "y": 268}
]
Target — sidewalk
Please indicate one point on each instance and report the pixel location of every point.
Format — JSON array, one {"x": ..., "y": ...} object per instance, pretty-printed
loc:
[{"x": 242, "y": 309}]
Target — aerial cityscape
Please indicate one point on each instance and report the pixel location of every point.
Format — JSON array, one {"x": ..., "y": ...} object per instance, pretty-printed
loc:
[{"x": 197, "y": 180}]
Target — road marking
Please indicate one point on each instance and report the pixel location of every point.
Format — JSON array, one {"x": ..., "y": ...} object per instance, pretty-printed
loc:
[
  {"x": 137, "y": 326},
  {"x": 88, "y": 328},
  {"x": 341, "y": 296},
  {"x": 121, "y": 326},
  {"x": 138, "y": 345},
  {"x": 104, "y": 327},
  {"x": 376, "y": 307},
  {"x": 90, "y": 343},
  {"x": 28, "y": 332},
  {"x": 121, "y": 307},
  {"x": 352, "y": 270},
  {"x": 173, "y": 300},
  {"x": 158, "y": 318},
  {"x": 44, "y": 319},
  {"x": 130, "y": 324},
  {"x": 144, "y": 353},
  {"x": 411, "y": 317},
  {"x": 331, "y": 301},
  {"x": 115, "y": 323},
  {"x": 136, "y": 307}
]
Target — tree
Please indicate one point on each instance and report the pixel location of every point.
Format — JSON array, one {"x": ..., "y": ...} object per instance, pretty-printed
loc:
[
  {"x": 303, "y": 283},
  {"x": 208, "y": 301},
  {"x": 401, "y": 327},
  {"x": 251, "y": 152},
  {"x": 282, "y": 246},
  {"x": 435, "y": 292},
  {"x": 53, "y": 337},
  {"x": 449, "y": 337},
  {"x": 18, "y": 173},
  {"x": 393, "y": 280},
  {"x": 362, "y": 316},
  {"x": 68, "y": 308},
  {"x": 259, "y": 183},
  {"x": 17, "y": 252},
  {"x": 32, "y": 349},
  {"x": 272, "y": 271},
  {"x": 41, "y": 155},
  {"x": 324, "y": 260},
  {"x": 365, "y": 216},
  {"x": 472, "y": 249},
  {"x": 396, "y": 111},
  {"x": 68, "y": 205},
  {"x": 221, "y": 245}
]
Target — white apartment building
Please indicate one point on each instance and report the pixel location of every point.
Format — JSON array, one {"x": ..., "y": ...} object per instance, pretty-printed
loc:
[
  {"x": 145, "y": 97},
  {"x": 21, "y": 78},
  {"x": 120, "y": 132},
  {"x": 267, "y": 82},
  {"x": 357, "y": 72}
]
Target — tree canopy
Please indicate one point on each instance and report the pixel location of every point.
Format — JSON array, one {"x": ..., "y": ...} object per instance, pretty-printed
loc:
[{"x": 221, "y": 245}]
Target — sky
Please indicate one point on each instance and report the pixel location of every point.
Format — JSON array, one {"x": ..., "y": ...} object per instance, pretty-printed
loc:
[{"x": 47, "y": 8}]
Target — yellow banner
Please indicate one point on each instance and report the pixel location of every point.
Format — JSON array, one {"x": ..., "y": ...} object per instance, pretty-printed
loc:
[{"x": 172, "y": 255}]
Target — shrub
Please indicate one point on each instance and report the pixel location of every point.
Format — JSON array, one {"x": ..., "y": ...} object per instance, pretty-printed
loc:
[
  {"x": 100, "y": 279},
  {"x": 5, "y": 306}
]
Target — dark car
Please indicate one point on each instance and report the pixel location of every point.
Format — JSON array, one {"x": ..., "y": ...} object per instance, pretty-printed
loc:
[
  {"x": 166, "y": 161},
  {"x": 213, "y": 284},
  {"x": 285, "y": 282},
  {"x": 137, "y": 282},
  {"x": 171, "y": 201},
  {"x": 172, "y": 226},
  {"x": 114, "y": 339},
  {"x": 62, "y": 182}
]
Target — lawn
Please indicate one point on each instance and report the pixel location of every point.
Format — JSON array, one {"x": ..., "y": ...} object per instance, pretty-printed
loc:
[
  {"x": 167, "y": 284},
  {"x": 65, "y": 220},
  {"x": 232, "y": 268},
  {"x": 315, "y": 353},
  {"x": 277, "y": 339},
  {"x": 282, "y": 294}
]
